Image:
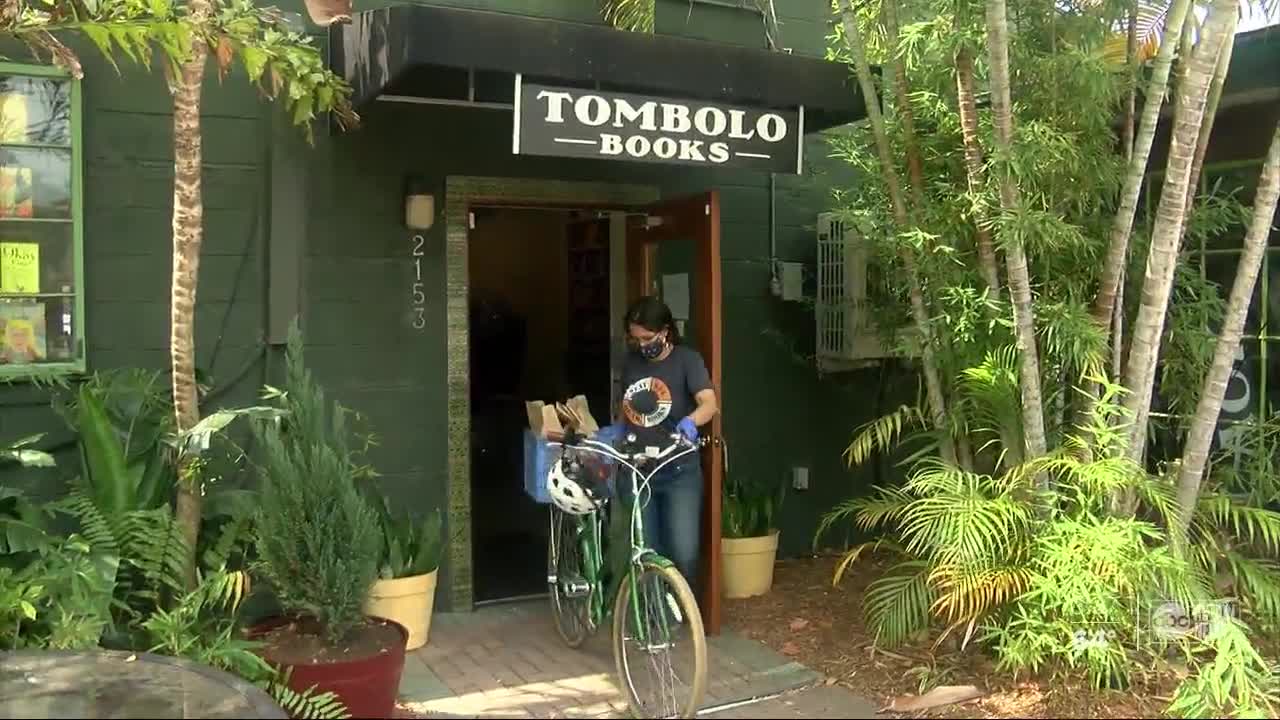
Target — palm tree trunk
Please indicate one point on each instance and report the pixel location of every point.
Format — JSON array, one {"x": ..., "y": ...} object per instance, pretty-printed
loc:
[
  {"x": 919, "y": 312},
  {"x": 1130, "y": 115},
  {"x": 188, "y": 230},
  {"x": 973, "y": 166},
  {"x": 1122, "y": 228},
  {"x": 1211, "y": 111},
  {"x": 1205, "y": 421},
  {"x": 1019, "y": 276},
  {"x": 1166, "y": 235},
  {"x": 1131, "y": 63}
]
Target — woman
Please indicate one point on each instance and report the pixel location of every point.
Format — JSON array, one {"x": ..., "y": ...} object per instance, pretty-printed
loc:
[{"x": 667, "y": 389}]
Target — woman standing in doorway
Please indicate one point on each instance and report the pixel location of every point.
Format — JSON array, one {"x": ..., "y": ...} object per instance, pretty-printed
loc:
[{"x": 667, "y": 388}]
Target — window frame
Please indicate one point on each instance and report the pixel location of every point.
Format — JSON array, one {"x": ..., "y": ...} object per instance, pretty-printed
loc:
[{"x": 78, "y": 365}]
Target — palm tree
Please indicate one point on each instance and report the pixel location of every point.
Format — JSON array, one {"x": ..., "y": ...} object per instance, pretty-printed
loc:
[
  {"x": 1167, "y": 234},
  {"x": 1019, "y": 278},
  {"x": 1205, "y": 421},
  {"x": 920, "y": 313},
  {"x": 1104, "y": 305}
]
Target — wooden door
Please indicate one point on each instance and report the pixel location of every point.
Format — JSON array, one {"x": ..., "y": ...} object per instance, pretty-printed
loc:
[{"x": 682, "y": 236}]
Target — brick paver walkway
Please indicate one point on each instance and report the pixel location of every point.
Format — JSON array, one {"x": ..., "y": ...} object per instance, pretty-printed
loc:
[{"x": 508, "y": 661}]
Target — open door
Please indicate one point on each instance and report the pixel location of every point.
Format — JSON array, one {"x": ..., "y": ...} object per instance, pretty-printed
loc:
[{"x": 675, "y": 253}]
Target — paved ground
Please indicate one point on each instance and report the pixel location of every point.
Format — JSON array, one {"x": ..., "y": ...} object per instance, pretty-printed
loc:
[{"x": 507, "y": 661}]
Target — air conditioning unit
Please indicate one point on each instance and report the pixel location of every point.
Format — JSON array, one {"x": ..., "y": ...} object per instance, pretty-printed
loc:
[{"x": 846, "y": 336}]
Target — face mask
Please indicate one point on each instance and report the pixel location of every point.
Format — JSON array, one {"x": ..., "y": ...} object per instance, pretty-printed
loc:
[{"x": 653, "y": 349}]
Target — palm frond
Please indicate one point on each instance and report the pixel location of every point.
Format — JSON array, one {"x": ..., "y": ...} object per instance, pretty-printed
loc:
[
  {"x": 1254, "y": 525},
  {"x": 1151, "y": 20},
  {"x": 1259, "y": 579},
  {"x": 881, "y": 434},
  {"x": 630, "y": 15},
  {"x": 898, "y": 603},
  {"x": 967, "y": 593}
]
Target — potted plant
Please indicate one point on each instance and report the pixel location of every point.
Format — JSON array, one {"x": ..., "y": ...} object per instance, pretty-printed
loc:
[
  {"x": 749, "y": 538},
  {"x": 405, "y": 590},
  {"x": 318, "y": 542}
]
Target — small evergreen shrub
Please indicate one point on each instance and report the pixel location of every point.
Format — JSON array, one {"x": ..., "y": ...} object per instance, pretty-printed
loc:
[{"x": 318, "y": 539}]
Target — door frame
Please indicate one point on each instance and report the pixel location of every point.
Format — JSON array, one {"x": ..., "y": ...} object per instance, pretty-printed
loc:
[{"x": 461, "y": 194}]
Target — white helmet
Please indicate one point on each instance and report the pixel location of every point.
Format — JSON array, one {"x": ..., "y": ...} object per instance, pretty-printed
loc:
[{"x": 567, "y": 493}]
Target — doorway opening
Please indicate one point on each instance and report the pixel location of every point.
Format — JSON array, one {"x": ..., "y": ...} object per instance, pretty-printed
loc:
[{"x": 541, "y": 328}]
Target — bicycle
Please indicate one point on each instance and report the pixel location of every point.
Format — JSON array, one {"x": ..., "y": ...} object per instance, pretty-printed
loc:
[{"x": 575, "y": 574}]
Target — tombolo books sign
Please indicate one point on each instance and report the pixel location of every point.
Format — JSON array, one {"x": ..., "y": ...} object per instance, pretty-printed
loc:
[{"x": 570, "y": 122}]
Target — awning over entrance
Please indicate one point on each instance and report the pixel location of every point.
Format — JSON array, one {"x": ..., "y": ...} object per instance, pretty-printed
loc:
[{"x": 471, "y": 57}]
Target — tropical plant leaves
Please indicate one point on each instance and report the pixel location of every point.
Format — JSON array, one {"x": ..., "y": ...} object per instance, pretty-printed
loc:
[{"x": 630, "y": 15}]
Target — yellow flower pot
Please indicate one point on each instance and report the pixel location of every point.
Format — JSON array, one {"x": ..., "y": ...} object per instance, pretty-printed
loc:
[
  {"x": 747, "y": 565},
  {"x": 407, "y": 601}
]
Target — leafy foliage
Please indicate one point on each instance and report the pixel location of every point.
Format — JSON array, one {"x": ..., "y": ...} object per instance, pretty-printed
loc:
[
  {"x": 749, "y": 507},
  {"x": 317, "y": 538},
  {"x": 61, "y": 599},
  {"x": 1232, "y": 679},
  {"x": 283, "y": 63},
  {"x": 630, "y": 15},
  {"x": 409, "y": 547},
  {"x": 201, "y": 627}
]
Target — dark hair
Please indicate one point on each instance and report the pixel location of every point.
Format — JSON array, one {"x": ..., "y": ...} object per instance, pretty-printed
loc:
[{"x": 653, "y": 315}]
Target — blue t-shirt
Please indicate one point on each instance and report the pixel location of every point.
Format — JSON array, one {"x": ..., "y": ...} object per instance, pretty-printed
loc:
[{"x": 656, "y": 396}]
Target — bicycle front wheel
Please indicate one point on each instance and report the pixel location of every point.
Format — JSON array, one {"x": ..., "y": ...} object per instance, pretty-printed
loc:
[
  {"x": 659, "y": 644},
  {"x": 567, "y": 575}
]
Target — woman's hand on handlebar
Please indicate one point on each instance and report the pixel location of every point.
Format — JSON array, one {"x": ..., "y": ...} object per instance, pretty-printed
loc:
[{"x": 689, "y": 429}]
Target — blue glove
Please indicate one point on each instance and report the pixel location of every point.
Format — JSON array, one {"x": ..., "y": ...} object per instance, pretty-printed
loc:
[{"x": 688, "y": 429}]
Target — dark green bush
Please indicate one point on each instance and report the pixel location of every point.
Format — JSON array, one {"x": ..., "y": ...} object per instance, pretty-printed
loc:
[{"x": 318, "y": 540}]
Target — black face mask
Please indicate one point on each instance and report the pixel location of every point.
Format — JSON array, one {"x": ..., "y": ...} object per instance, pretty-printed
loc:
[{"x": 653, "y": 349}]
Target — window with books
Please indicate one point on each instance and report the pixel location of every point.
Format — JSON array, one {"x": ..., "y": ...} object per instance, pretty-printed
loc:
[{"x": 41, "y": 266}]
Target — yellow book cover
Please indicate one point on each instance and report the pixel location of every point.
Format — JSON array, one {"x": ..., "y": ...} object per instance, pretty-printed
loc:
[{"x": 19, "y": 268}]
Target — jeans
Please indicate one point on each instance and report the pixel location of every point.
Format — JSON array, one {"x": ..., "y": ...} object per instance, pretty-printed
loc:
[{"x": 672, "y": 515}]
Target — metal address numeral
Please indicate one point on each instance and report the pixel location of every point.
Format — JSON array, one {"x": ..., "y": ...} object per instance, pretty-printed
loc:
[{"x": 419, "y": 297}]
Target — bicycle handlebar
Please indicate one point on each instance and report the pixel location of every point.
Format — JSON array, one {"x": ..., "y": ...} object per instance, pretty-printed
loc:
[{"x": 667, "y": 456}]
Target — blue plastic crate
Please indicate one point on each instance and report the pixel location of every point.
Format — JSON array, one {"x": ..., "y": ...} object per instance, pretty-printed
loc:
[{"x": 539, "y": 456}]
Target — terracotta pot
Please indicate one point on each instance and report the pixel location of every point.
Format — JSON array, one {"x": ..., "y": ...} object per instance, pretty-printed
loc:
[
  {"x": 367, "y": 686},
  {"x": 747, "y": 564},
  {"x": 408, "y": 601}
]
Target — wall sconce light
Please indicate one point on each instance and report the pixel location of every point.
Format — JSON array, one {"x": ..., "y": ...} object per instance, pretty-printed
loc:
[{"x": 419, "y": 205}]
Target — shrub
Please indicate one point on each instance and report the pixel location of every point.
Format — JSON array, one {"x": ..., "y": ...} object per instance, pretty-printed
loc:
[{"x": 317, "y": 539}]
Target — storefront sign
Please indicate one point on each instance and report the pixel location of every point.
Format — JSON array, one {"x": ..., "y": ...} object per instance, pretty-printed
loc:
[{"x": 568, "y": 122}]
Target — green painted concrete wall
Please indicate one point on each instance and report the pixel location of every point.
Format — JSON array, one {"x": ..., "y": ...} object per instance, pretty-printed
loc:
[{"x": 355, "y": 276}]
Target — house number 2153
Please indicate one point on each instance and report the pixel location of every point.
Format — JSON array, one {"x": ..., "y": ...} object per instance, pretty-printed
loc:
[{"x": 419, "y": 297}]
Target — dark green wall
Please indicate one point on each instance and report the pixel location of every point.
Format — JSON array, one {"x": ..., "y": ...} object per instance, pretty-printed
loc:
[
  {"x": 342, "y": 200},
  {"x": 128, "y": 176}
]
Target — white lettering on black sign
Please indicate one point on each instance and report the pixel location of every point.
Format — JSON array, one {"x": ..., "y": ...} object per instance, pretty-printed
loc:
[{"x": 567, "y": 122}]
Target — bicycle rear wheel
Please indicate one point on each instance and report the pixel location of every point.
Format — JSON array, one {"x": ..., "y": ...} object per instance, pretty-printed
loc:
[
  {"x": 659, "y": 644},
  {"x": 567, "y": 577}
]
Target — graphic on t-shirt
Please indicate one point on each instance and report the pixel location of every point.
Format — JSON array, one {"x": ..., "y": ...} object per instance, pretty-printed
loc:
[{"x": 647, "y": 402}]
